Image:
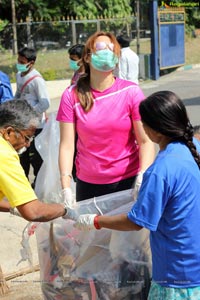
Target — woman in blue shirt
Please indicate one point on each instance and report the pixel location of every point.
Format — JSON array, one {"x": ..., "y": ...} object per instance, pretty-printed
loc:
[{"x": 168, "y": 203}]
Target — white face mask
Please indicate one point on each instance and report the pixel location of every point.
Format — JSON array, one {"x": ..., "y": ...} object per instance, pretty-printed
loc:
[{"x": 21, "y": 150}]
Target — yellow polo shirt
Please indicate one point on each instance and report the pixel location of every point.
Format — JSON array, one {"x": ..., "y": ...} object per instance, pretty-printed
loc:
[{"x": 14, "y": 184}]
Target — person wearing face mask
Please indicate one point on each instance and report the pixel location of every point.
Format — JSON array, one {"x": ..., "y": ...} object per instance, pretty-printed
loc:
[
  {"x": 17, "y": 130},
  {"x": 31, "y": 87},
  {"x": 128, "y": 67},
  {"x": 113, "y": 150},
  {"x": 75, "y": 54}
]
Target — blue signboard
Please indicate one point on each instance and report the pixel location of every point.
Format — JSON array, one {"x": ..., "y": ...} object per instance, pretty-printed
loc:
[{"x": 171, "y": 39}]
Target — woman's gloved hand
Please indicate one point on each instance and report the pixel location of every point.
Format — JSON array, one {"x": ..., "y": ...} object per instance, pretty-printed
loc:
[
  {"x": 137, "y": 185},
  {"x": 87, "y": 222},
  {"x": 68, "y": 199}
]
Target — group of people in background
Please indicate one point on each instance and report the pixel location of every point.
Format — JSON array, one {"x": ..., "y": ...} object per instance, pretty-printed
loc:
[
  {"x": 127, "y": 67},
  {"x": 108, "y": 132}
]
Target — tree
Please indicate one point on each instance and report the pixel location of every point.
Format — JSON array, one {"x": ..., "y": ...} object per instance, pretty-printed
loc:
[
  {"x": 116, "y": 8},
  {"x": 50, "y": 9},
  {"x": 39, "y": 9},
  {"x": 3, "y": 24}
]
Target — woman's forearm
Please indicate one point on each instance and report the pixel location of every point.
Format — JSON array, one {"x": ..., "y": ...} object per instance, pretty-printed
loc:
[
  {"x": 146, "y": 154},
  {"x": 118, "y": 222},
  {"x": 65, "y": 167}
]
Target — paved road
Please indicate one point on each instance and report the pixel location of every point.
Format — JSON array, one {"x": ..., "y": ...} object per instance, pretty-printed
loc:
[{"x": 186, "y": 84}]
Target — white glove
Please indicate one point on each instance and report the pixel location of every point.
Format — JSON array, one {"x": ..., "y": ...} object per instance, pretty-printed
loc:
[
  {"x": 137, "y": 184},
  {"x": 68, "y": 199},
  {"x": 85, "y": 222},
  {"x": 70, "y": 214},
  {"x": 14, "y": 211}
]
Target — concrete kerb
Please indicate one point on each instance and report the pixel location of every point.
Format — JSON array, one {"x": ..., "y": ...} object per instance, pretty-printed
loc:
[
  {"x": 56, "y": 87},
  {"x": 188, "y": 67}
]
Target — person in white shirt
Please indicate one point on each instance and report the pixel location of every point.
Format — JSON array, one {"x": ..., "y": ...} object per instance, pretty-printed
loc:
[
  {"x": 128, "y": 66},
  {"x": 32, "y": 88}
]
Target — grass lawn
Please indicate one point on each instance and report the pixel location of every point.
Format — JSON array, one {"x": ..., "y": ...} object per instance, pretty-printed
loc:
[{"x": 53, "y": 64}]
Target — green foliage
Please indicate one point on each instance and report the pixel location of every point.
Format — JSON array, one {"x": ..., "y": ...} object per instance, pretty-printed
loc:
[
  {"x": 37, "y": 8},
  {"x": 80, "y": 9},
  {"x": 3, "y": 24},
  {"x": 8, "y": 68},
  {"x": 49, "y": 74},
  {"x": 76, "y": 9},
  {"x": 189, "y": 30},
  {"x": 195, "y": 18},
  {"x": 115, "y": 8},
  {"x": 53, "y": 74}
]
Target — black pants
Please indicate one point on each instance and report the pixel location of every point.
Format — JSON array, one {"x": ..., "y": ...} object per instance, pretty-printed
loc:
[
  {"x": 31, "y": 157},
  {"x": 85, "y": 190},
  {"x": 75, "y": 152}
]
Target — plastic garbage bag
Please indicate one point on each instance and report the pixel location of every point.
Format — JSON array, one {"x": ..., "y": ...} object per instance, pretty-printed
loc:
[
  {"x": 95, "y": 265},
  {"x": 47, "y": 186},
  {"x": 102, "y": 264}
]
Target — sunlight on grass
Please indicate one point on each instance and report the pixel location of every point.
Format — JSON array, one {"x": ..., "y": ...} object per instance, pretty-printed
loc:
[{"x": 54, "y": 64}]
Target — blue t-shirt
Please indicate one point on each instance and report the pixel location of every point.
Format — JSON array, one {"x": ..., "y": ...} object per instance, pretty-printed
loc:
[{"x": 168, "y": 205}]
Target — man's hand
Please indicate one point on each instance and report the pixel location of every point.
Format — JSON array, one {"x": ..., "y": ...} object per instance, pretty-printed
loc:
[
  {"x": 70, "y": 214},
  {"x": 87, "y": 222},
  {"x": 68, "y": 199},
  {"x": 137, "y": 184}
]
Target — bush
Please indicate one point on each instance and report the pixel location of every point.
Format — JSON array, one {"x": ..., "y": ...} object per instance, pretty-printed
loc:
[
  {"x": 49, "y": 74},
  {"x": 189, "y": 30}
]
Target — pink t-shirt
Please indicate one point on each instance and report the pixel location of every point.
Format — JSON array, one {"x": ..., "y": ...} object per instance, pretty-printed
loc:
[{"x": 106, "y": 149}]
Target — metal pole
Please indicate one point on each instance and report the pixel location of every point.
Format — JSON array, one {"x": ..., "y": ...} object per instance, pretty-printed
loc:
[
  {"x": 74, "y": 38},
  {"x": 98, "y": 25},
  {"x": 155, "y": 68},
  {"x": 14, "y": 27},
  {"x": 138, "y": 25}
]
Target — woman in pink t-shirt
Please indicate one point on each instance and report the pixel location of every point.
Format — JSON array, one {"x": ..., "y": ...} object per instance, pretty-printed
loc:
[{"x": 113, "y": 150}]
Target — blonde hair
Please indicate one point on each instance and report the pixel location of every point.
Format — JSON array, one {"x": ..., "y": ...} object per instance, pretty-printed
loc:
[{"x": 83, "y": 90}]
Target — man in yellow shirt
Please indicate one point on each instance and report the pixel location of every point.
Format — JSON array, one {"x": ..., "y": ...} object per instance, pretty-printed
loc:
[{"x": 18, "y": 122}]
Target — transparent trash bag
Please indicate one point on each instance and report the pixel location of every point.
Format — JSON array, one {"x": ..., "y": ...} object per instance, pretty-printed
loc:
[
  {"x": 95, "y": 265},
  {"x": 47, "y": 186},
  {"x": 102, "y": 264}
]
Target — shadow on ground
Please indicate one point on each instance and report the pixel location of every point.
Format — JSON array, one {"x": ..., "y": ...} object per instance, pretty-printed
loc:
[{"x": 192, "y": 101}]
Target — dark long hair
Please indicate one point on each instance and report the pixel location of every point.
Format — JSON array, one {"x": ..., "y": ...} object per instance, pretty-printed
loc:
[{"x": 165, "y": 113}]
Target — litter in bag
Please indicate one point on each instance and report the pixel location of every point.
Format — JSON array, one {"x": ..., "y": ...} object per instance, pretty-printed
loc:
[
  {"x": 95, "y": 265},
  {"x": 99, "y": 264}
]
